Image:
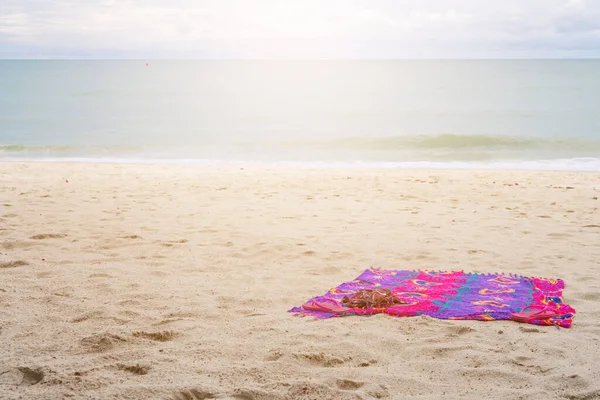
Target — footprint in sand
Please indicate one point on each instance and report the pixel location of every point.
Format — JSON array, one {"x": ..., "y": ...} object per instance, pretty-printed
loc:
[
  {"x": 193, "y": 394},
  {"x": 101, "y": 343},
  {"x": 530, "y": 330},
  {"x": 309, "y": 390},
  {"x": 366, "y": 363},
  {"x": 21, "y": 376},
  {"x": 590, "y": 296},
  {"x": 162, "y": 336},
  {"x": 274, "y": 355},
  {"x": 18, "y": 244},
  {"x": 445, "y": 351},
  {"x": 459, "y": 330},
  {"x": 43, "y": 236},
  {"x": 85, "y": 317},
  {"x": 13, "y": 264},
  {"x": 171, "y": 243},
  {"x": 100, "y": 275},
  {"x": 134, "y": 369},
  {"x": 174, "y": 317},
  {"x": 560, "y": 235},
  {"x": 347, "y": 384},
  {"x": 320, "y": 359}
]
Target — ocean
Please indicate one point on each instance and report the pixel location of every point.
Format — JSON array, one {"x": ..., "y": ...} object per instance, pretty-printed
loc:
[{"x": 521, "y": 114}]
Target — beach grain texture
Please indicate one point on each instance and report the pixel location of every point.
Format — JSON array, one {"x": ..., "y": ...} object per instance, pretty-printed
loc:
[{"x": 174, "y": 282}]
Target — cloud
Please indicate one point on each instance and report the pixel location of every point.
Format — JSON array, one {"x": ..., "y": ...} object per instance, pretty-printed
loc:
[{"x": 291, "y": 28}]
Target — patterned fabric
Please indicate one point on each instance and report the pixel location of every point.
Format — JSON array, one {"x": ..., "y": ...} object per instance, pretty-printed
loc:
[{"x": 456, "y": 295}]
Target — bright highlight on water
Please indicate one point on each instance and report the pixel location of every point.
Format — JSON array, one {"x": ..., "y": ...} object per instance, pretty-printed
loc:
[{"x": 540, "y": 114}]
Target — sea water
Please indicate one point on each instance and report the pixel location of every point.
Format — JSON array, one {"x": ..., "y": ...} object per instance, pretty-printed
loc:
[{"x": 534, "y": 114}]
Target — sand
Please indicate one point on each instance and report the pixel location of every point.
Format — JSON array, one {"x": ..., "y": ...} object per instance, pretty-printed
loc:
[{"x": 173, "y": 282}]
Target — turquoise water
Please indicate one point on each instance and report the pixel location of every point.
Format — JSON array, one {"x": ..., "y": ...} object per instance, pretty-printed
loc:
[{"x": 500, "y": 113}]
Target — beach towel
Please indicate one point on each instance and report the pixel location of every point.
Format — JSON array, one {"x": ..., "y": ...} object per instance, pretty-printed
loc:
[{"x": 453, "y": 295}]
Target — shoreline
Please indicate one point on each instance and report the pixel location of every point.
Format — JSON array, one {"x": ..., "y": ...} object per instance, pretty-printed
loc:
[{"x": 590, "y": 165}]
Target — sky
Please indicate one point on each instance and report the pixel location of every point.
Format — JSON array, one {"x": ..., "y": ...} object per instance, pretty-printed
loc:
[{"x": 299, "y": 29}]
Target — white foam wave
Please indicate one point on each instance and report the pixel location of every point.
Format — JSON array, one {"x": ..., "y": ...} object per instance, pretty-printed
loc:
[{"x": 571, "y": 164}]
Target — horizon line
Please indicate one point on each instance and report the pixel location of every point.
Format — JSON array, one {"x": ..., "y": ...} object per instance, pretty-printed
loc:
[{"x": 63, "y": 58}]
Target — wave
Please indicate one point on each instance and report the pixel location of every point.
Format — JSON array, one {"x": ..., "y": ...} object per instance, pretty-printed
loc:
[
  {"x": 24, "y": 149},
  {"x": 400, "y": 151},
  {"x": 382, "y": 143},
  {"x": 461, "y": 142},
  {"x": 574, "y": 165}
]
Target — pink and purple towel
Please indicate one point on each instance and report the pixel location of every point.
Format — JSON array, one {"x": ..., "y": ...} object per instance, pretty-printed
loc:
[{"x": 453, "y": 295}]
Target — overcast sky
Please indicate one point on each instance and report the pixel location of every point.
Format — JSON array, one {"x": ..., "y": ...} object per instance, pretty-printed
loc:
[{"x": 299, "y": 29}]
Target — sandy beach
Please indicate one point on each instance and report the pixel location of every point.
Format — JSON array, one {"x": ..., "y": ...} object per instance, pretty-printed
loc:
[{"x": 174, "y": 282}]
